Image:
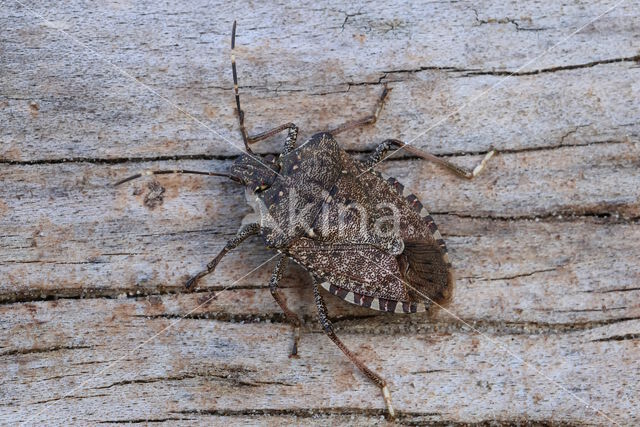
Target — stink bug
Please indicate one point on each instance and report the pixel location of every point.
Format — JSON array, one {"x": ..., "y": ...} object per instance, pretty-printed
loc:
[{"x": 362, "y": 236}]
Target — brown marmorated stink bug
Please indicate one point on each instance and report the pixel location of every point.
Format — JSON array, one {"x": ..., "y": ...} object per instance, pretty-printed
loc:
[{"x": 361, "y": 235}]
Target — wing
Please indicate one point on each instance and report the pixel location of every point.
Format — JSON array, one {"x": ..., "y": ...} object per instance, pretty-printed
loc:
[
  {"x": 361, "y": 274},
  {"x": 407, "y": 271},
  {"x": 373, "y": 278},
  {"x": 424, "y": 262}
]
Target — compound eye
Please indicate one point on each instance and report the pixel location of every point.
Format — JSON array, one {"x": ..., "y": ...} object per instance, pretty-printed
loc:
[{"x": 270, "y": 158}]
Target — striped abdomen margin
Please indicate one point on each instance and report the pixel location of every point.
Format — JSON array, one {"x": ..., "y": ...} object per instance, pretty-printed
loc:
[{"x": 380, "y": 304}]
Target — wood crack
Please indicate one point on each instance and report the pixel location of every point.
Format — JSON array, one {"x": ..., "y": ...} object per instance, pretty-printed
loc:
[
  {"x": 232, "y": 377},
  {"x": 115, "y": 160},
  {"x": 55, "y": 399},
  {"x": 408, "y": 325},
  {"x": 409, "y": 418},
  {"x": 231, "y": 158},
  {"x": 119, "y": 293},
  {"x": 608, "y": 291},
  {"x": 625, "y": 337},
  {"x": 529, "y": 274},
  {"x": 43, "y": 350},
  {"x": 635, "y": 58},
  {"x": 555, "y": 216},
  {"x": 141, "y": 420},
  {"x": 146, "y": 381},
  {"x": 471, "y": 72},
  {"x": 299, "y": 413},
  {"x": 414, "y": 326},
  {"x": 515, "y": 22}
]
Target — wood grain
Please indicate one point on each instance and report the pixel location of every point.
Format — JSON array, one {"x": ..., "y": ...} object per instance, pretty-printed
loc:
[{"x": 95, "y": 328}]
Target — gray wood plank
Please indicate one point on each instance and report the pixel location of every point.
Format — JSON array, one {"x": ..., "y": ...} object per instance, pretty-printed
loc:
[{"x": 544, "y": 325}]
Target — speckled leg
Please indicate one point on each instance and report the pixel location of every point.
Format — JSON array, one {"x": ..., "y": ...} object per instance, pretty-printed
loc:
[
  {"x": 293, "y": 318},
  {"x": 244, "y": 232},
  {"x": 382, "y": 149},
  {"x": 328, "y": 329},
  {"x": 368, "y": 120},
  {"x": 293, "y": 129},
  {"x": 289, "y": 143}
]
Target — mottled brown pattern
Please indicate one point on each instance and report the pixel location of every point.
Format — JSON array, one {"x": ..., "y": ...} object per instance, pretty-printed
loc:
[
  {"x": 406, "y": 267},
  {"x": 363, "y": 269}
]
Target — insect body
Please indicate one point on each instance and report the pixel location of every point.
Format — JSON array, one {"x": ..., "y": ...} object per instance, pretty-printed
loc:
[
  {"x": 335, "y": 230},
  {"x": 362, "y": 236}
]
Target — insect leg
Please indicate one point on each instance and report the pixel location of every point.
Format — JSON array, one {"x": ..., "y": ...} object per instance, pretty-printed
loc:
[
  {"x": 368, "y": 120},
  {"x": 293, "y": 129},
  {"x": 293, "y": 318},
  {"x": 244, "y": 232},
  {"x": 328, "y": 329},
  {"x": 385, "y": 146},
  {"x": 290, "y": 142}
]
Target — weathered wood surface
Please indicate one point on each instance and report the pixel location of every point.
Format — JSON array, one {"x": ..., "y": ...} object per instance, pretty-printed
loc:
[{"x": 545, "y": 323}]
